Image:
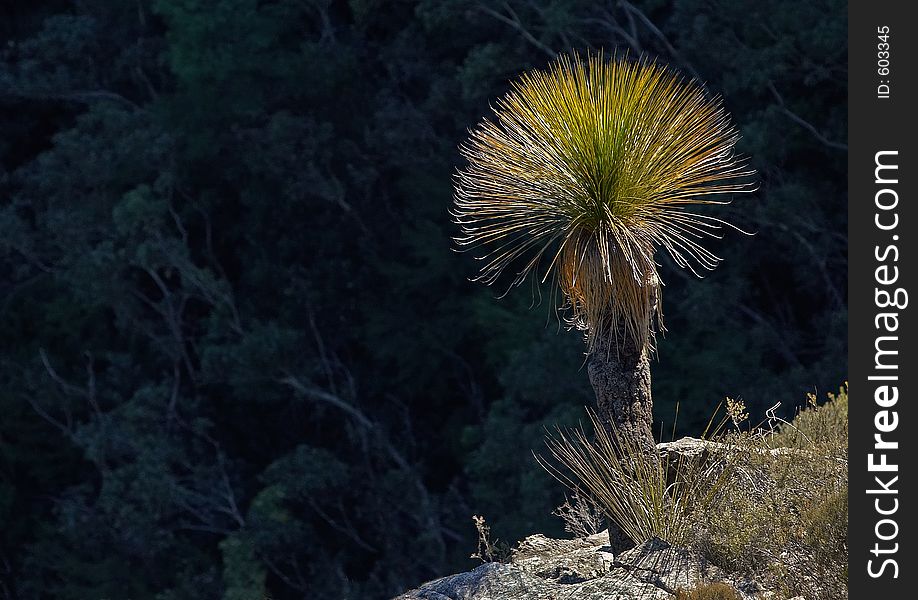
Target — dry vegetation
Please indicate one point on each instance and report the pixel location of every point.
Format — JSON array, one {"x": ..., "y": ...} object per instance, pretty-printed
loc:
[
  {"x": 766, "y": 501},
  {"x": 709, "y": 591}
]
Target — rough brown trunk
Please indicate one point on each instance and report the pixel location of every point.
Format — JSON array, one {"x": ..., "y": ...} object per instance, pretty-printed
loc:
[
  {"x": 621, "y": 380},
  {"x": 620, "y": 375}
]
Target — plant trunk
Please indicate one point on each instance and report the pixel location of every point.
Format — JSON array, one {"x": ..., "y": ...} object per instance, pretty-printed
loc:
[
  {"x": 621, "y": 380},
  {"x": 620, "y": 376}
]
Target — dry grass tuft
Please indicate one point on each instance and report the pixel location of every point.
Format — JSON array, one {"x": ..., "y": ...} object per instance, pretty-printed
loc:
[{"x": 646, "y": 498}]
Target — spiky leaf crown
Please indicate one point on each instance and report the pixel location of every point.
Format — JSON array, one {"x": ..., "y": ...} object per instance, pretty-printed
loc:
[{"x": 590, "y": 165}]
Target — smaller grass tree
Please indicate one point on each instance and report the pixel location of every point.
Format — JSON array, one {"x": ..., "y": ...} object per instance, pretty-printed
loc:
[{"x": 587, "y": 170}]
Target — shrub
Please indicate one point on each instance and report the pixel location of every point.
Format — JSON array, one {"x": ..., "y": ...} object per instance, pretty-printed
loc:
[
  {"x": 769, "y": 502},
  {"x": 709, "y": 591},
  {"x": 785, "y": 518}
]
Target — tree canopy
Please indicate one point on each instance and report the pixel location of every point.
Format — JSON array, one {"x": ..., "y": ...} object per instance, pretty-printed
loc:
[{"x": 239, "y": 358}]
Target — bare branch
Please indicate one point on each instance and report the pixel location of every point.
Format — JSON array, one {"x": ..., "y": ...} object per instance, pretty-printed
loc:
[
  {"x": 232, "y": 508},
  {"x": 800, "y": 121},
  {"x": 817, "y": 259},
  {"x": 89, "y": 392},
  {"x": 344, "y": 527},
  {"x": 329, "y": 398},
  {"x": 320, "y": 345},
  {"x": 176, "y": 383},
  {"x": 65, "y": 428},
  {"x": 781, "y": 346},
  {"x": 634, "y": 11},
  {"x": 84, "y": 96},
  {"x": 514, "y": 21},
  {"x": 299, "y": 586}
]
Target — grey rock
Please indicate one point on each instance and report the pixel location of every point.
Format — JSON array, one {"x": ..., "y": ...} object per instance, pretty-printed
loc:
[
  {"x": 542, "y": 568},
  {"x": 688, "y": 447},
  {"x": 564, "y": 561}
]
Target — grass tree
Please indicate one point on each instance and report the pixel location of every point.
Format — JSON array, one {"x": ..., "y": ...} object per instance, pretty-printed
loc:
[{"x": 587, "y": 169}]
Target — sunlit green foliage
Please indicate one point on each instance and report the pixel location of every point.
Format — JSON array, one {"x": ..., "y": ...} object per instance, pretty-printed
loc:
[{"x": 589, "y": 167}]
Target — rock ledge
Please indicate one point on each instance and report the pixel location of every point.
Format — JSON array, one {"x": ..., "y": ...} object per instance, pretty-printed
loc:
[{"x": 542, "y": 568}]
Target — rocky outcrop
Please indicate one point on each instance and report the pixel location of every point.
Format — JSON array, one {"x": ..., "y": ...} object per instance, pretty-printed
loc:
[
  {"x": 542, "y": 568},
  {"x": 687, "y": 447},
  {"x": 547, "y": 569}
]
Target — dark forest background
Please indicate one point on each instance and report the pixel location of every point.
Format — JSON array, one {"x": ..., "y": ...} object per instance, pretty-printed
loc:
[{"x": 238, "y": 357}]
